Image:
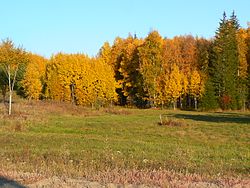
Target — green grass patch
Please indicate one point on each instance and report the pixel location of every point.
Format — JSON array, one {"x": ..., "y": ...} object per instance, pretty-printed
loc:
[{"x": 74, "y": 140}]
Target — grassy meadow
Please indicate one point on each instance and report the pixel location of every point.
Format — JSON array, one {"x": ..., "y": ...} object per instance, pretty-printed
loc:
[{"x": 64, "y": 140}]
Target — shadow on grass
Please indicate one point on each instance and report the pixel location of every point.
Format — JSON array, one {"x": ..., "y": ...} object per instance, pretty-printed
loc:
[
  {"x": 217, "y": 117},
  {"x": 7, "y": 183}
]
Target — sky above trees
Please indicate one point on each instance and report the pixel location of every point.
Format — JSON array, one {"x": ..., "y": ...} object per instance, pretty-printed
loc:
[{"x": 47, "y": 27}]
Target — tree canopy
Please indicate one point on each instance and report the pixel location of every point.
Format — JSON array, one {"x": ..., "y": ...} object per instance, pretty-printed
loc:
[{"x": 184, "y": 72}]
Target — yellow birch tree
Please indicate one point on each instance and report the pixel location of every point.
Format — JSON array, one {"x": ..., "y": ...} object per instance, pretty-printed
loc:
[
  {"x": 196, "y": 86},
  {"x": 34, "y": 76},
  {"x": 173, "y": 86}
]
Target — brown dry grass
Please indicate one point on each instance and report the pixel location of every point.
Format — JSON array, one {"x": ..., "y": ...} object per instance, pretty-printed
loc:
[{"x": 118, "y": 177}]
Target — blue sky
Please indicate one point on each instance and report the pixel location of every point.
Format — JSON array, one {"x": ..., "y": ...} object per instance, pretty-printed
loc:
[{"x": 50, "y": 26}]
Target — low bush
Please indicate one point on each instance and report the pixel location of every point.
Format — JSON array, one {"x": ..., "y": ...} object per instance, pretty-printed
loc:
[{"x": 170, "y": 121}]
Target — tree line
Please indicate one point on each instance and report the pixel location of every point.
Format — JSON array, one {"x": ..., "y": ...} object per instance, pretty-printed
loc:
[{"x": 183, "y": 72}]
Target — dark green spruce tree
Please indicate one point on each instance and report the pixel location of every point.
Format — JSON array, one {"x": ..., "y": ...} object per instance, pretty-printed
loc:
[
  {"x": 209, "y": 100},
  {"x": 225, "y": 63}
]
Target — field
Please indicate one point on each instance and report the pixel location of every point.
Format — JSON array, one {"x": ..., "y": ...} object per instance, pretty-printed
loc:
[{"x": 124, "y": 145}]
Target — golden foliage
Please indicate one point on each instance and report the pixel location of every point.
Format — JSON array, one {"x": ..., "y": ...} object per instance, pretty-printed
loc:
[
  {"x": 242, "y": 50},
  {"x": 196, "y": 86},
  {"x": 80, "y": 79},
  {"x": 173, "y": 87},
  {"x": 151, "y": 61},
  {"x": 34, "y": 76}
]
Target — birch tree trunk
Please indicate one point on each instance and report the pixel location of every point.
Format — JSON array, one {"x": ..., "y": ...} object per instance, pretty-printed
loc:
[
  {"x": 174, "y": 105},
  {"x": 10, "y": 88},
  {"x": 195, "y": 103},
  {"x": 11, "y": 85},
  {"x": 10, "y": 102}
]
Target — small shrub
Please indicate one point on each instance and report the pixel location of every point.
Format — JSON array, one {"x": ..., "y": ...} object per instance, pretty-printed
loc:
[
  {"x": 117, "y": 111},
  {"x": 170, "y": 122},
  {"x": 18, "y": 127},
  {"x": 225, "y": 102}
]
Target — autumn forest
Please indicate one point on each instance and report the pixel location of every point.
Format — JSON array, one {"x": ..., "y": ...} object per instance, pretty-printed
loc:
[
  {"x": 149, "y": 111},
  {"x": 184, "y": 72}
]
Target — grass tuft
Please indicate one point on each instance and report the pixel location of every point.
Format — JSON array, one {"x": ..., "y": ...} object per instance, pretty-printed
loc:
[{"x": 170, "y": 121}]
